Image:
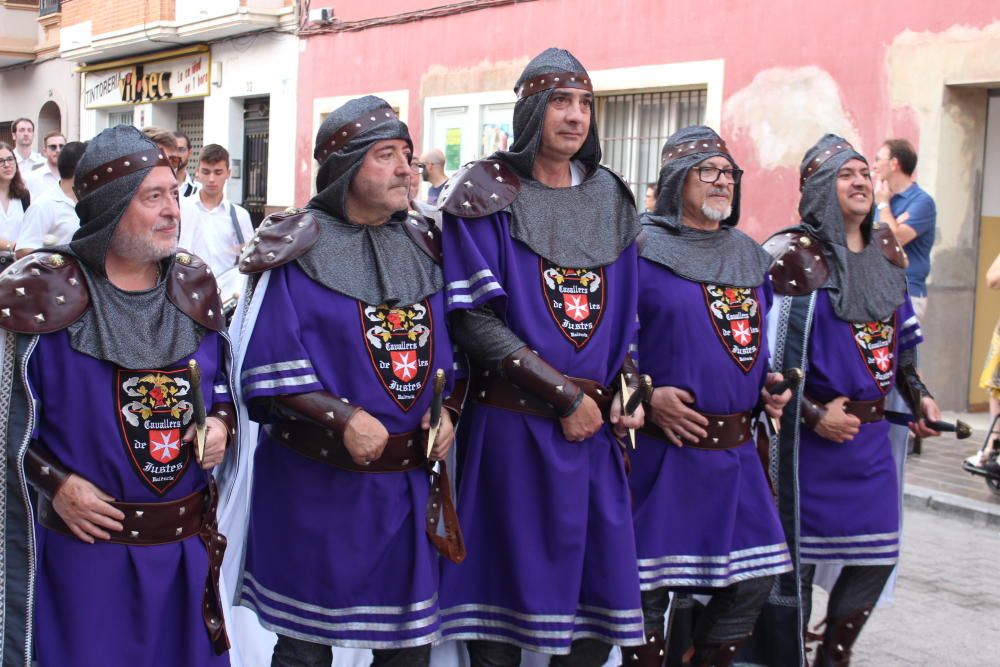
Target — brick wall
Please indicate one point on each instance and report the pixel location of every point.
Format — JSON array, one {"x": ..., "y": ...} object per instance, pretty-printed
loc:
[{"x": 112, "y": 15}]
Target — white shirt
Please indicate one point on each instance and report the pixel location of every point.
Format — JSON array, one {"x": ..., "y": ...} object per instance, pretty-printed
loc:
[
  {"x": 49, "y": 221},
  {"x": 26, "y": 165},
  {"x": 12, "y": 220},
  {"x": 41, "y": 181},
  {"x": 209, "y": 234},
  {"x": 189, "y": 187}
]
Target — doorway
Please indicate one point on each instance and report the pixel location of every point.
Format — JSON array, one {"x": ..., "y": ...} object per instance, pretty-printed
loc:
[{"x": 256, "y": 118}]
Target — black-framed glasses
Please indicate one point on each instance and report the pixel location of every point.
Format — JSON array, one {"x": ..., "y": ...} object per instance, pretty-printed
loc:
[
  {"x": 4, "y": 161},
  {"x": 55, "y": 147},
  {"x": 712, "y": 174}
]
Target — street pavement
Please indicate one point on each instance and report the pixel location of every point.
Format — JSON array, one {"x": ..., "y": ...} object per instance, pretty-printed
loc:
[{"x": 947, "y": 600}]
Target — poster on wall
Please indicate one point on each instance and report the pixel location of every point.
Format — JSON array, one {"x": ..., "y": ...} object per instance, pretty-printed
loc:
[
  {"x": 152, "y": 81},
  {"x": 453, "y": 148},
  {"x": 496, "y": 128}
]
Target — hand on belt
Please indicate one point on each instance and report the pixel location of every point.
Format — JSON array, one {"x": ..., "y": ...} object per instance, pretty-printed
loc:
[
  {"x": 151, "y": 524},
  {"x": 722, "y": 431}
]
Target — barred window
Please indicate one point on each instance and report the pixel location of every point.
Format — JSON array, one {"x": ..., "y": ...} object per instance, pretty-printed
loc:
[
  {"x": 191, "y": 121},
  {"x": 634, "y": 127}
]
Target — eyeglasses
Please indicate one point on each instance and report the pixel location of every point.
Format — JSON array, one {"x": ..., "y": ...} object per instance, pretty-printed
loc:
[
  {"x": 712, "y": 174},
  {"x": 4, "y": 161},
  {"x": 419, "y": 166},
  {"x": 55, "y": 147}
]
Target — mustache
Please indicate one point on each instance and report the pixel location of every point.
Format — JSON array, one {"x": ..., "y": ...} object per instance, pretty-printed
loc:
[
  {"x": 718, "y": 191},
  {"x": 161, "y": 226},
  {"x": 399, "y": 183}
]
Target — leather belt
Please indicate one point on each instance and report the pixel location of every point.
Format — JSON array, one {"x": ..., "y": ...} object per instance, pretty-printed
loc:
[
  {"x": 152, "y": 524},
  {"x": 866, "y": 411},
  {"x": 403, "y": 451},
  {"x": 499, "y": 392},
  {"x": 724, "y": 431}
]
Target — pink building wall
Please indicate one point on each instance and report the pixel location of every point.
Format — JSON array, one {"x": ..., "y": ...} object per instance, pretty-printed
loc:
[{"x": 847, "y": 39}]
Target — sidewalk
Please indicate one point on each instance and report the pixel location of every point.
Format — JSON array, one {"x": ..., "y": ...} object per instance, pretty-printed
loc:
[{"x": 935, "y": 479}]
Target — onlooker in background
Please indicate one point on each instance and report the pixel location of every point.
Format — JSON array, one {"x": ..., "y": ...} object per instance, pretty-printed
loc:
[
  {"x": 187, "y": 186},
  {"x": 52, "y": 219},
  {"x": 990, "y": 380},
  {"x": 909, "y": 211},
  {"x": 14, "y": 201},
  {"x": 433, "y": 163},
  {"x": 212, "y": 227},
  {"x": 28, "y": 160},
  {"x": 650, "y": 197},
  {"x": 46, "y": 177},
  {"x": 166, "y": 140}
]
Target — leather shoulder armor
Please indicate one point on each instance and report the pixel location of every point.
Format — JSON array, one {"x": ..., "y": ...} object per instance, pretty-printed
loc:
[
  {"x": 887, "y": 243},
  {"x": 281, "y": 238},
  {"x": 425, "y": 234},
  {"x": 192, "y": 288},
  {"x": 480, "y": 188},
  {"x": 41, "y": 293},
  {"x": 799, "y": 266}
]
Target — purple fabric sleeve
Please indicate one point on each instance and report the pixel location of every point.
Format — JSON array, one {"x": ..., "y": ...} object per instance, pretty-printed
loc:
[
  {"x": 472, "y": 261},
  {"x": 276, "y": 362}
]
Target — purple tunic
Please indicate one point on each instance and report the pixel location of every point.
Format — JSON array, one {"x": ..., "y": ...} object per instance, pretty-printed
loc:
[
  {"x": 547, "y": 522},
  {"x": 335, "y": 556},
  {"x": 848, "y": 492},
  {"x": 120, "y": 429},
  {"x": 703, "y": 518}
]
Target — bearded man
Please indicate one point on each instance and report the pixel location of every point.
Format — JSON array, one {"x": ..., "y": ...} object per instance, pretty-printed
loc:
[{"x": 100, "y": 414}]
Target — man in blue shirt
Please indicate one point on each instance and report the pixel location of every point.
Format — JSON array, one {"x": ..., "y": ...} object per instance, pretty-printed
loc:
[{"x": 909, "y": 211}]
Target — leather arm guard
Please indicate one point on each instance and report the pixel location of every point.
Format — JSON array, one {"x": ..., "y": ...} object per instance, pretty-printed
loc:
[
  {"x": 909, "y": 384},
  {"x": 226, "y": 413},
  {"x": 532, "y": 374},
  {"x": 44, "y": 471},
  {"x": 631, "y": 373},
  {"x": 319, "y": 407},
  {"x": 811, "y": 412}
]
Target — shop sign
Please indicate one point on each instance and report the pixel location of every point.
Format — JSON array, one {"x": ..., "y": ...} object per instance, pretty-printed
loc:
[{"x": 155, "y": 81}]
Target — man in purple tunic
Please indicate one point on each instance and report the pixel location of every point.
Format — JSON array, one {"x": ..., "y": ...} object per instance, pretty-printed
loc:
[
  {"x": 705, "y": 519},
  {"x": 845, "y": 318},
  {"x": 540, "y": 264},
  {"x": 340, "y": 337},
  {"x": 100, "y": 410}
]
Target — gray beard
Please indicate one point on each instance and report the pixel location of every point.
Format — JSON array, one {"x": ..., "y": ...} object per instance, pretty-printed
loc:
[{"x": 714, "y": 214}]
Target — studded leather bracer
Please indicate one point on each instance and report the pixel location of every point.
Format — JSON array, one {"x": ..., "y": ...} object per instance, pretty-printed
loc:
[
  {"x": 909, "y": 384},
  {"x": 533, "y": 374},
  {"x": 320, "y": 407},
  {"x": 44, "y": 471}
]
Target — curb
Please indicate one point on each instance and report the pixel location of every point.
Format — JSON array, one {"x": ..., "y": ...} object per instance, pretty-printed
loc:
[{"x": 928, "y": 500}]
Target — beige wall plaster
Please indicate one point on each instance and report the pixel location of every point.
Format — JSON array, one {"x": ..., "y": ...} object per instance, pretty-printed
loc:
[
  {"x": 785, "y": 111},
  {"x": 441, "y": 80}
]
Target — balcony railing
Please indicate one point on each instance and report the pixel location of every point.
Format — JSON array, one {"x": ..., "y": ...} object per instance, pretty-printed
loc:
[{"x": 46, "y": 7}]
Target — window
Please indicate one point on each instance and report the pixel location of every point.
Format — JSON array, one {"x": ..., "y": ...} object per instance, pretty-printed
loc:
[
  {"x": 126, "y": 117},
  {"x": 633, "y": 128},
  {"x": 191, "y": 121}
]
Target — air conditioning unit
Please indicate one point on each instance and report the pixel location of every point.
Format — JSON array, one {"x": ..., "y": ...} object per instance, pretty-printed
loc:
[{"x": 322, "y": 16}]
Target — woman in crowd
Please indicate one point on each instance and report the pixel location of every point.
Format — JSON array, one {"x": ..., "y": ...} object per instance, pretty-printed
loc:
[{"x": 14, "y": 200}]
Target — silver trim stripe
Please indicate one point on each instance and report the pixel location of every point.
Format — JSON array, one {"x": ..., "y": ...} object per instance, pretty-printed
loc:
[
  {"x": 276, "y": 368},
  {"x": 721, "y": 570},
  {"x": 267, "y": 593},
  {"x": 473, "y": 279},
  {"x": 220, "y": 389},
  {"x": 833, "y": 551},
  {"x": 343, "y": 626},
  {"x": 280, "y": 382},
  {"x": 850, "y": 561},
  {"x": 648, "y": 584},
  {"x": 873, "y": 537},
  {"x": 733, "y": 556},
  {"x": 471, "y": 298},
  {"x": 536, "y": 634}
]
